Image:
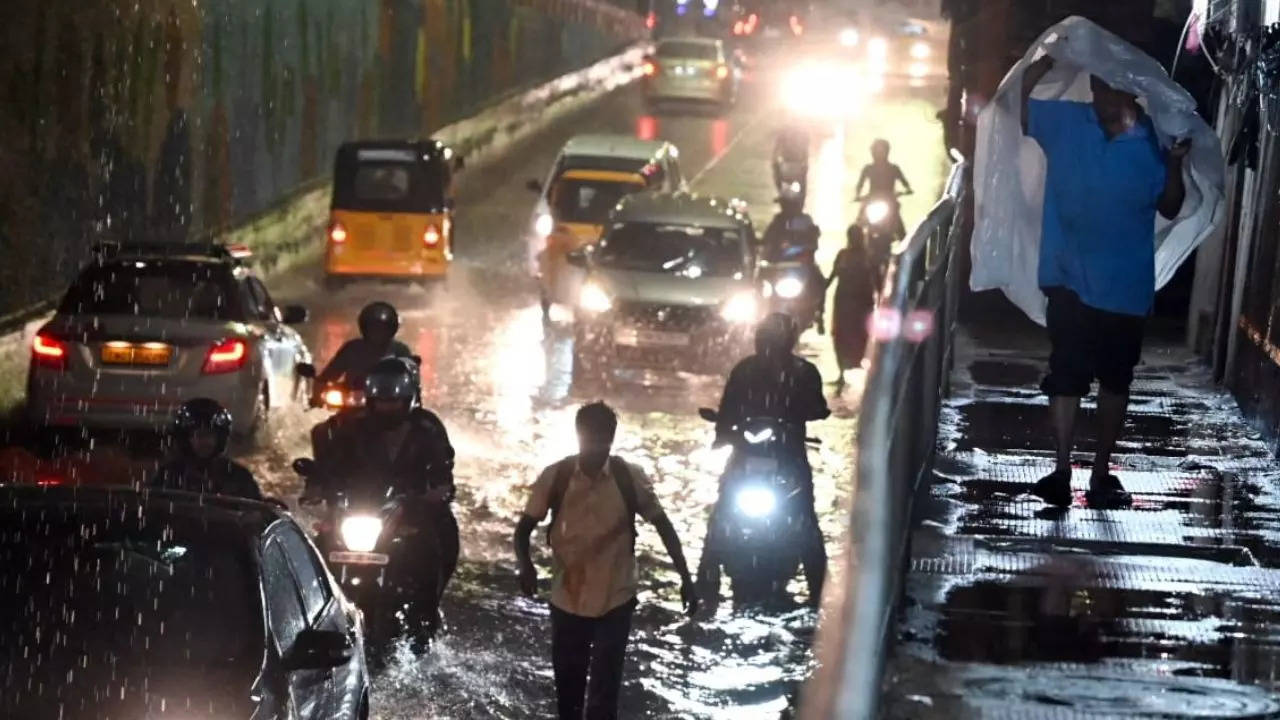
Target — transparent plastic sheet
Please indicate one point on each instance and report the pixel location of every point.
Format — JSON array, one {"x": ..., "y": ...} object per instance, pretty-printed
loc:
[{"x": 1009, "y": 169}]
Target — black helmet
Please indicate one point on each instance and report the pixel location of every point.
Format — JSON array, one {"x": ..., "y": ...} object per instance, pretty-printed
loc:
[
  {"x": 391, "y": 379},
  {"x": 378, "y": 318},
  {"x": 776, "y": 335},
  {"x": 200, "y": 413}
]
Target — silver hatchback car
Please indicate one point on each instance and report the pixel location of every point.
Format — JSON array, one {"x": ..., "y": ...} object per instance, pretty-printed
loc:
[
  {"x": 671, "y": 286},
  {"x": 694, "y": 68},
  {"x": 146, "y": 328}
]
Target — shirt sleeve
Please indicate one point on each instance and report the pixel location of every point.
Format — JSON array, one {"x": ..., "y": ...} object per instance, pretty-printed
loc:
[
  {"x": 646, "y": 499},
  {"x": 1044, "y": 118},
  {"x": 539, "y": 503}
]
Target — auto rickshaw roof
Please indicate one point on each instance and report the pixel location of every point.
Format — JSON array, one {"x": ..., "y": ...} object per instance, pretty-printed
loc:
[{"x": 395, "y": 151}]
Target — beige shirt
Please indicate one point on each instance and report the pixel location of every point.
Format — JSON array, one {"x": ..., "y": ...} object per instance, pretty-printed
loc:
[{"x": 592, "y": 556}]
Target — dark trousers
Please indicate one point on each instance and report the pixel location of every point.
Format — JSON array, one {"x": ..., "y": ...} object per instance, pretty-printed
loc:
[{"x": 583, "y": 647}]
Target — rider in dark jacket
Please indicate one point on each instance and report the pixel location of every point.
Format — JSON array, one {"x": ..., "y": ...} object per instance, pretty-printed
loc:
[
  {"x": 378, "y": 323},
  {"x": 776, "y": 383},
  {"x": 394, "y": 442},
  {"x": 201, "y": 429}
]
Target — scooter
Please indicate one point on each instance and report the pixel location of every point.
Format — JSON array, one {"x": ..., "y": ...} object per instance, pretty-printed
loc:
[
  {"x": 758, "y": 522},
  {"x": 882, "y": 226},
  {"x": 387, "y": 564}
]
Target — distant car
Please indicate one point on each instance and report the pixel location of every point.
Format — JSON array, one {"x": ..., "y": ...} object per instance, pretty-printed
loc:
[
  {"x": 691, "y": 68},
  {"x": 118, "y": 603},
  {"x": 147, "y": 327},
  {"x": 589, "y": 177},
  {"x": 903, "y": 48},
  {"x": 670, "y": 286}
]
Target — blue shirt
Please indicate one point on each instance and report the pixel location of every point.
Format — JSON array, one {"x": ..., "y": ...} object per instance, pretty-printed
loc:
[{"x": 1100, "y": 198}]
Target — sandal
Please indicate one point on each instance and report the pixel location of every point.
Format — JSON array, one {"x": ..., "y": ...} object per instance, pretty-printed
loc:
[
  {"x": 1054, "y": 488},
  {"x": 1108, "y": 494}
]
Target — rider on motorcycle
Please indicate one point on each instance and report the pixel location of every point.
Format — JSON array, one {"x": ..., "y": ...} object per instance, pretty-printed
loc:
[
  {"x": 792, "y": 236},
  {"x": 881, "y": 178},
  {"x": 393, "y": 442},
  {"x": 790, "y": 155},
  {"x": 378, "y": 323},
  {"x": 200, "y": 430},
  {"x": 776, "y": 383}
]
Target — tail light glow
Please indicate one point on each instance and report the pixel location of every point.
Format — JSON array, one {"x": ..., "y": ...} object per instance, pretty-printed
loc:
[
  {"x": 796, "y": 27},
  {"x": 337, "y": 233},
  {"x": 649, "y": 68},
  {"x": 431, "y": 236},
  {"x": 49, "y": 352},
  {"x": 226, "y": 356},
  {"x": 722, "y": 72}
]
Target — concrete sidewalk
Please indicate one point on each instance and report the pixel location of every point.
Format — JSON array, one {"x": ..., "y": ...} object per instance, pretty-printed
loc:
[{"x": 1014, "y": 609}]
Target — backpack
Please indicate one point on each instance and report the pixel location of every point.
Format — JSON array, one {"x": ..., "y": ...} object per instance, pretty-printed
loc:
[{"x": 621, "y": 476}]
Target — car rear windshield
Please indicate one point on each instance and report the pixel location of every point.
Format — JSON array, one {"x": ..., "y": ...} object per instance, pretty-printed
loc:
[
  {"x": 390, "y": 182},
  {"x": 179, "y": 290},
  {"x": 126, "y": 591},
  {"x": 685, "y": 250},
  {"x": 578, "y": 200},
  {"x": 685, "y": 50}
]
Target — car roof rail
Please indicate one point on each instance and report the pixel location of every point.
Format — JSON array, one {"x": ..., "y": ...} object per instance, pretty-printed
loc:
[{"x": 216, "y": 251}]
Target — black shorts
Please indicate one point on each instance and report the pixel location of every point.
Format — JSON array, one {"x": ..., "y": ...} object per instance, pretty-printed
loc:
[{"x": 1089, "y": 344}]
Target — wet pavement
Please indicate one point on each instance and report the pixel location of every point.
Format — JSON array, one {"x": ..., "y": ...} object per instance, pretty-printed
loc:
[
  {"x": 1170, "y": 609},
  {"x": 500, "y": 380}
]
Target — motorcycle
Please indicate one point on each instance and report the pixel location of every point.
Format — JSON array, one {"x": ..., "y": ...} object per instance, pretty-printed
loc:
[
  {"x": 346, "y": 393},
  {"x": 386, "y": 563},
  {"x": 790, "y": 279},
  {"x": 757, "y": 524},
  {"x": 790, "y": 180},
  {"x": 882, "y": 226}
]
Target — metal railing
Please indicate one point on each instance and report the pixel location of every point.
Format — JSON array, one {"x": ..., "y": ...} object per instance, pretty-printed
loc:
[{"x": 911, "y": 357}]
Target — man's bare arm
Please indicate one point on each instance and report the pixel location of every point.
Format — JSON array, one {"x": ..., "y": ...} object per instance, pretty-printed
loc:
[
  {"x": 1174, "y": 190},
  {"x": 1032, "y": 77}
]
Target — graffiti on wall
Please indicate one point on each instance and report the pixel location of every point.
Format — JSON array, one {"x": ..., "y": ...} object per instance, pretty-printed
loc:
[{"x": 164, "y": 120}]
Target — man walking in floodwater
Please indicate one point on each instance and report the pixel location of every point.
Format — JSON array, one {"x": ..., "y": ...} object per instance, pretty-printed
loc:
[
  {"x": 1106, "y": 178},
  {"x": 593, "y": 498}
]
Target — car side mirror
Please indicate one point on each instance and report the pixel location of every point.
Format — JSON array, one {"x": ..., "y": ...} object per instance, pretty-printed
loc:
[
  {"x": 305, "y": 370},
  {"x": 577, "y": 258},
  {"x": 319, "y": 650},
  {"x": 534, "y": 186},
  {"x": 293, "y": 314},
  {"x": 304, "y": 467},
  {"x": 708, "y": 414}
]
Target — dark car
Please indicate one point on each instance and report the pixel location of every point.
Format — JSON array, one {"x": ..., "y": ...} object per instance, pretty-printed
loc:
[{"x": 135, "y": 605}]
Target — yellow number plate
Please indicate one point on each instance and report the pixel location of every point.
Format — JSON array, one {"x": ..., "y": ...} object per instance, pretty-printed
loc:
[{"x": 132, "y": 354}]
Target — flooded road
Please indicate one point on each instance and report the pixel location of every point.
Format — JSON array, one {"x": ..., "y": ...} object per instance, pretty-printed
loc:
[{"x": 500, "y": 380}]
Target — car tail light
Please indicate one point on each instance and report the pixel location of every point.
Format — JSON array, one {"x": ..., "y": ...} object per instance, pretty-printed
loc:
[
  {"x": 651, "y": 20},
  {"x": 722, "y": 72},
  {"x": 739, "y": 27},
  {"x": 49, "y": 352},
  {"x": 337, "y": 233},
  {"x": 431, "y": 236},
  {"x": 226, "y": 356},
  {"x": 650, "y": 68},
  {"x": 796, "y": 27},
  {"x": 752, "y": 20}
]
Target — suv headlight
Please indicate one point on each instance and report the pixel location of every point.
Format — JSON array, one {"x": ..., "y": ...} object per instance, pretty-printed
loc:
[
  {"x": 360, "y": 532},
  {"x": 593, "y": 298},
  {"x": 741, "y": 308}
]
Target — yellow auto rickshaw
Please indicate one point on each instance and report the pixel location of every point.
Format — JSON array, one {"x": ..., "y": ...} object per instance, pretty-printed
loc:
[{"x": 392, "y": 211}]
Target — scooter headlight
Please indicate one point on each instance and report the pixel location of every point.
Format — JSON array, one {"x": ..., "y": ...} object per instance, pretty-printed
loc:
[
  {"x": 877, "y": 211},
  {"x": 741, "y": 308},
  {"x": 756, "y": 502},
  {"x": 333, "y": 398},
  {"x": 594, "y": 299},
  {"x": 360, "y": 532},
  {"x": 789, "y": 288},
  {"x": 755, "y": 438}
]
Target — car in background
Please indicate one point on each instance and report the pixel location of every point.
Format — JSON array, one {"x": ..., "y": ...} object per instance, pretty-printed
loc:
[
  {"x": 670, "y": 286},
  {"x": 590, "y": 175},
  {"x": 697, "y": 69},
  {"x": 146, "y": 327},
  {"x": 120, "y": 603},
  {"x": 391, "y": 215},
  {"x": 913, "y": 49}
]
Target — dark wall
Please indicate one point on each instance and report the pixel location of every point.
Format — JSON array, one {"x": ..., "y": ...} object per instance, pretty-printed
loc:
[{"x": 165, "y": 119}]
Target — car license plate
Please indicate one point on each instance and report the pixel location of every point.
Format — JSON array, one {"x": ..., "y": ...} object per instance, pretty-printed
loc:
[
  {"x": 124, "y": 353},
  {"x": 359, "y": 558},
  {"x": 651, "y": 338},
  {"x": 758, "y": 466}
]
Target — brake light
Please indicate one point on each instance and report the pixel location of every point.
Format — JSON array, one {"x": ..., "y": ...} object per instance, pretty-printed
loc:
[
  {"x": 49, "y": 352},
  {"x": 651, "y": 20},
  {"x": 431, "y": 236},
  {"x": 722, "y": 72},
  {"x": 226, "y": 356},
  {"x": 649, "y": 68},
  {"x": 739, "y": 27},
  {"x": 752, "y": 20},
  {"x": 796, "y": 27},
  {"x": 337, "y": 233}
]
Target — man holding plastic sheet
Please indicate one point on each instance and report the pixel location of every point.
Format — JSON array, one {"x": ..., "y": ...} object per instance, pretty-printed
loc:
[{"x": 1106, "y": 177}]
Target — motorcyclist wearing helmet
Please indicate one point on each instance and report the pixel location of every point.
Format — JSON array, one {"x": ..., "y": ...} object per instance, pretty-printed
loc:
[
  {"x": 790, "y": 153},
  {"x": 775, "y": 383},
  {"x": 792, "y": 236},
  {"x": 378, "y": 323},
  {"x": 394, "y": 441},
  {"x": 200, "y": 430}
]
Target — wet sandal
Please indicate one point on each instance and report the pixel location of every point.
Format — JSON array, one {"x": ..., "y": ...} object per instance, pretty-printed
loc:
[
  {"x": 1054, "y": 488},
  {"x": 1108, "y": 494}
]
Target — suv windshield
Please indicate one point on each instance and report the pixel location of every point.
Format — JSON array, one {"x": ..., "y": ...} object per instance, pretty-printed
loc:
[
  {"x": 685, "y": 50},
  {"x": 129, "y": 592},
  {"x": 155, "y": 288},
  {"x": 576, "y": 200},
  {"x": 685, "y": 250}
]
